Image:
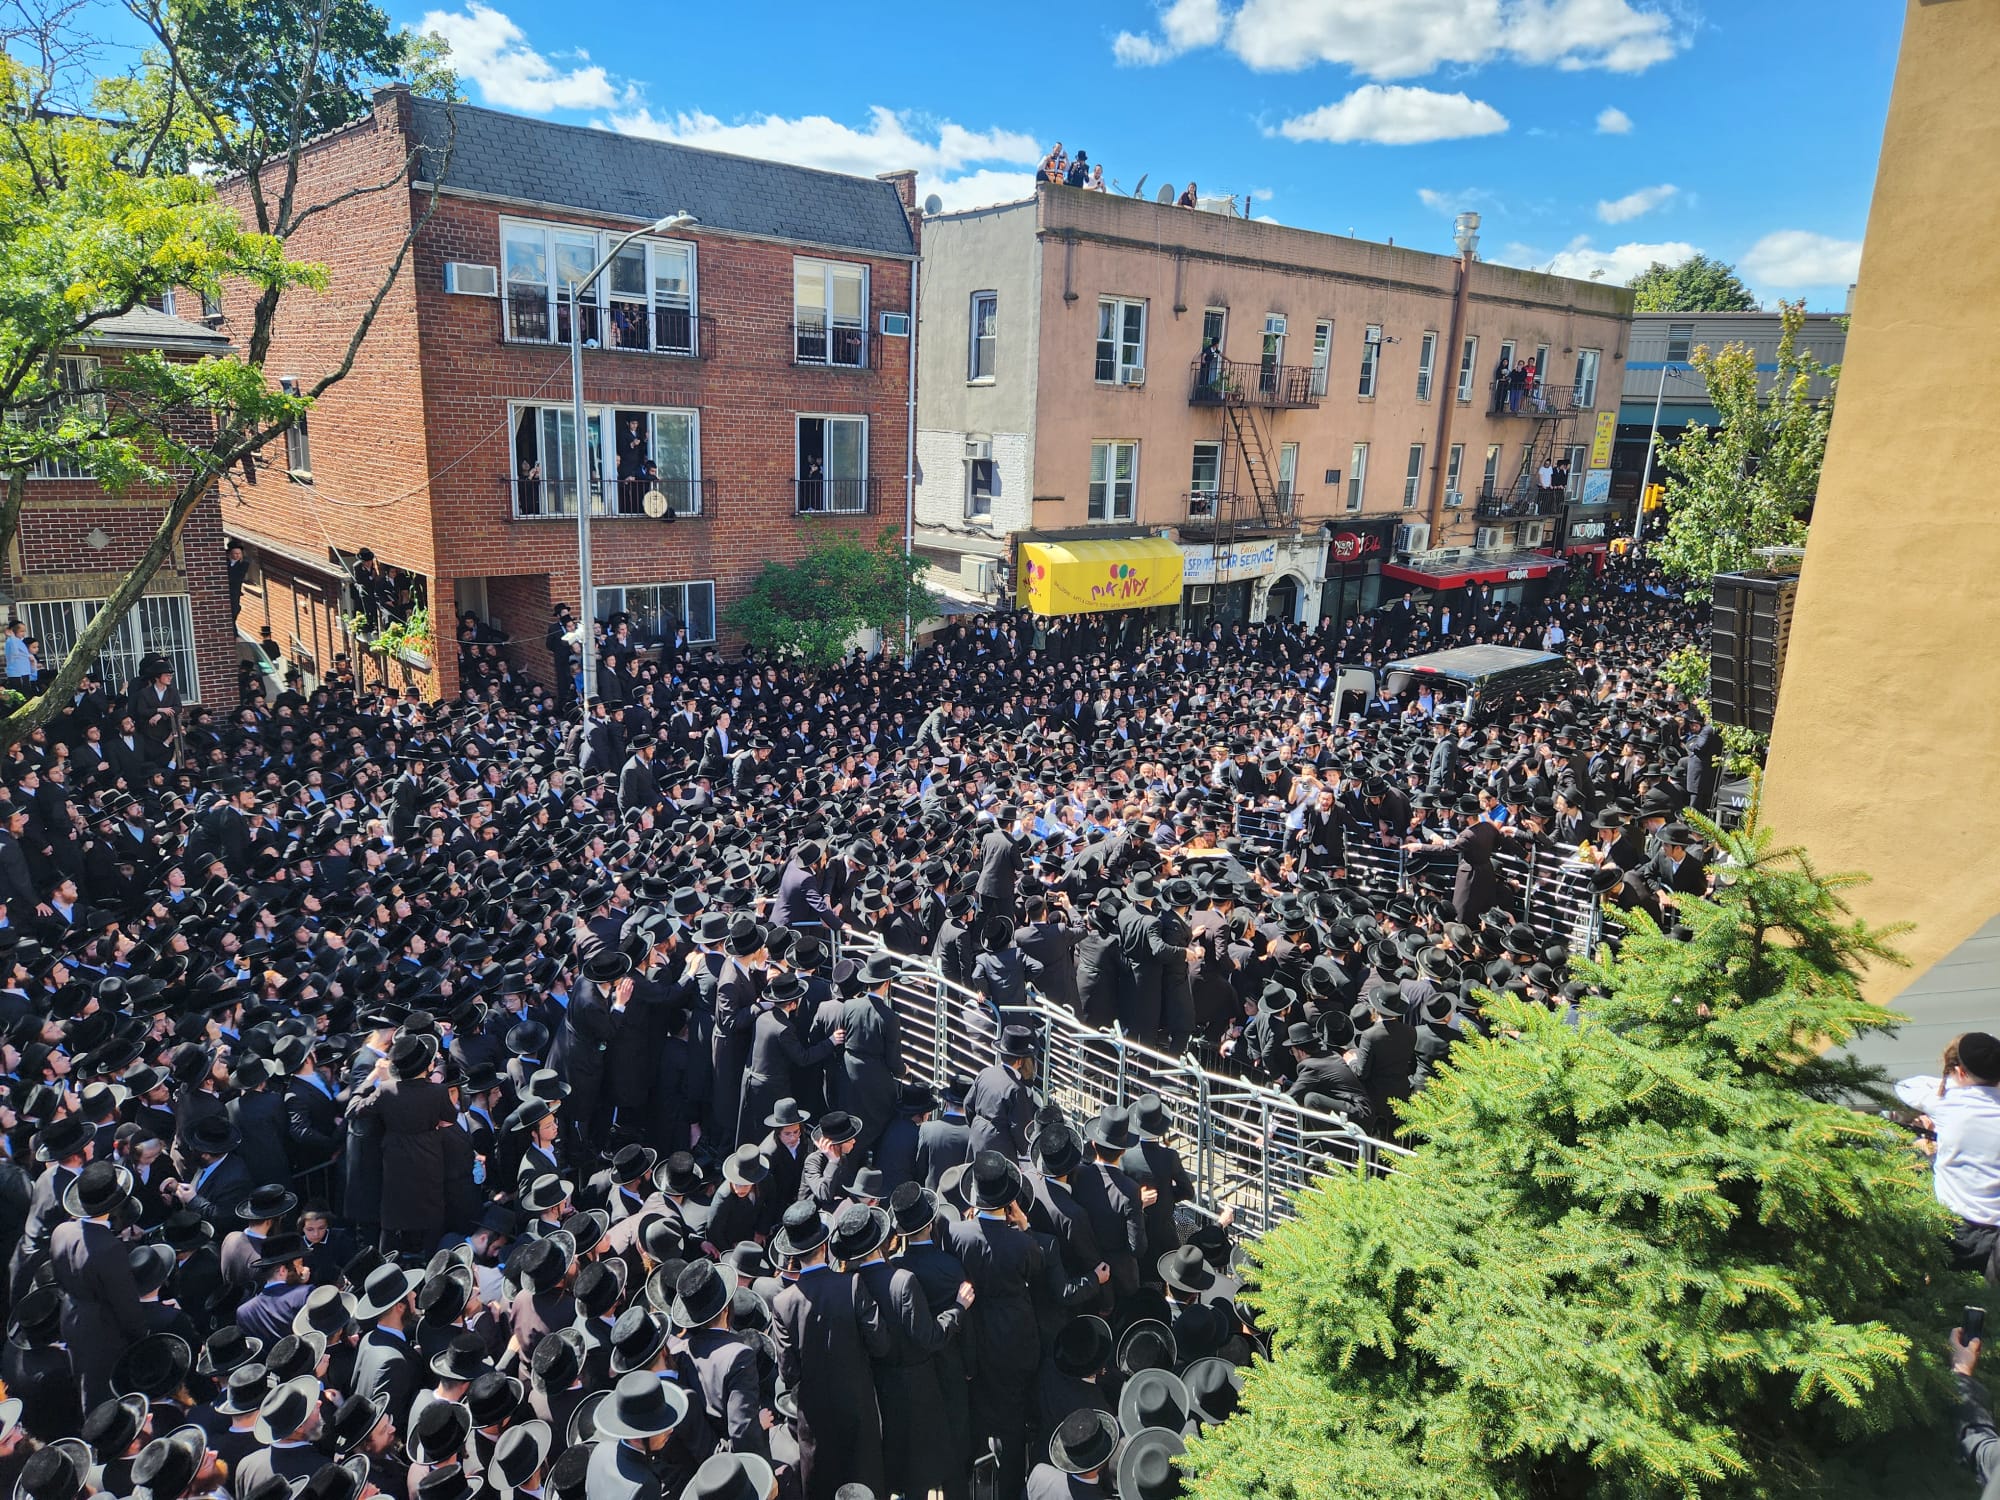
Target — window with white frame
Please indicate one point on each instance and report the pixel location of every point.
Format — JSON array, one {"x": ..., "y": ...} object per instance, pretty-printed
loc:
[
  {"x": 1357, "y": 476},
  {"x": 1121, "y": 341},
  {"x": 79, "y": 392},
  {"x": 1680, "y": 342},
  {"x": 830, "y": 313},
  {"x": 980, "y": 479},
  {"x": 1489, "y": 481},
  {"x": 1578, "y": 456},
  {"x": 1288, "y": 477},
  {"x": 985, "y": 335},
  {"x": 656, "y": 610},
  {"x": 1214, "y": 328},
  {"x": 1322, "y": 354},
  {"x": 1587, "y": 361},
  {"x": 1271, "y": 354},
  {"x": 1204, "y": 479},
  {"x": 1371, "y": 357},
  {"x": 1468, "y": 362},
  {"x": 159, "y": 624},
  {"x": 644, "y": 301},
  {"x": 833, "y": 465},
  {"x": 652, "y": 448},
  {"x": 1455, "y": 461},
  {"x": 1114, "y": 481},
  {"x": 1413, "y": 477},
  {"x": 1427, "y": 353}
]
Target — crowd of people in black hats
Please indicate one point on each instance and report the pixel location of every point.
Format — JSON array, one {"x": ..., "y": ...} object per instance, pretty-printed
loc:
[{"x": 467, "y": 1101}]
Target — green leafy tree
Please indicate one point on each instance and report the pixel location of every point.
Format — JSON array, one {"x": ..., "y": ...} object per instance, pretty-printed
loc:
[
  {"x": 1697, "y": 284},
  {"x": 812, "y": 609},
  {"x": 1643, "y": 1255},
  {"x": 1749, "y": 481},
  {"x": 106, "y": 204}
]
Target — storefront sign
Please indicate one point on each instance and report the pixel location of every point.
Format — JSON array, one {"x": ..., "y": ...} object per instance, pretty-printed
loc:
[
  {"x": 1597, "y": 487},
  {"x": 1090, "y": 577},
  {"x": 1352, "y": 546},
  {"x": 1588, "y": 531},
  {"x": 1514, "y": 573},
  {"x": 1600, "y": 446},
  {"x": 1229, "y": 564}
]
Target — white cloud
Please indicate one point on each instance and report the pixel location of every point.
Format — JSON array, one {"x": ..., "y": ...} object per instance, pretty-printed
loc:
[
  {"x": 1396, "y": 116},
  {"x": 1797, "y": 257},
  {"x": 1455, "y": 202},
  {"x": 490, "y": 50},
  {"x": 1644, "y": 201},
  {"x": 1185, "y": 25},
  {"x": 1613, "y": 121},
  {"x": 890, "y": 141},
  {"x": 1410, "y": 38},
  {"x": 979, "y": 189},
  {"x": 1587, "y": 262}
]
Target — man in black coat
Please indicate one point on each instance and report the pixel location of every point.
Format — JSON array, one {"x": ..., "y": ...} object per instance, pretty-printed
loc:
[
  {"x": 219, "y": 1181},
  {"x": 1003, "y": 1261},
  {"x": 638, "y": 787},
  {"x": 945, "y": 1140},
  {"x": 1323, "y": 1080},
  {"x": 777, "y": 1056},
  {"x": 1384, "y": 1056},
  {"x": 314, "y": 1136},
  {"x": 260, "y": 1120},
  {"x": 1051, "y": 942},
  {"x": 829, "y": 1331},
  {"x": 871, "y": 1057},
  {"x": 1677, "y": 870},
  {"x": 102, "y": 1314},
  {"x": 999, "y": 865}
]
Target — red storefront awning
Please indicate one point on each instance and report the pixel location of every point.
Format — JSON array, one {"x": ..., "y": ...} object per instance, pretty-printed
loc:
[
  {"x": 1458, "y": 574},
  {"x": 1583, "y": 549}
]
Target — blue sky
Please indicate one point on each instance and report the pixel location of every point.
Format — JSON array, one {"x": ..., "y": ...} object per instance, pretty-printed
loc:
[{"x": 1590, "y": 134}]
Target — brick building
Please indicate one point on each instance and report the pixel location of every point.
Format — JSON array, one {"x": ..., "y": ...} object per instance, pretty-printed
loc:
[
  {"x": 77, "y": 542},
  {"x": 752, "y": 371},
  {"x": 1252, "y": 421}
]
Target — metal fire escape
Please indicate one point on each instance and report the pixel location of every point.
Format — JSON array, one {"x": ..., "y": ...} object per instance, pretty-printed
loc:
[
  {"x": 1552, "y": 411},
  {"x": 1249, "y": 499}
]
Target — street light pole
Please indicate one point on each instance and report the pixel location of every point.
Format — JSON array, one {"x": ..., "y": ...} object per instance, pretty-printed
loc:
[
  {"x": 1646, "y": 473},
  {"x": 585, "y": 598}
]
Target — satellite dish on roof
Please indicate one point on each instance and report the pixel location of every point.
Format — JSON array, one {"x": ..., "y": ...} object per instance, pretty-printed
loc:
[
  {"x": 933, "y": 205},
  {"x": 1139, "y": 189},
  {"x": 1165, "y": 194}
]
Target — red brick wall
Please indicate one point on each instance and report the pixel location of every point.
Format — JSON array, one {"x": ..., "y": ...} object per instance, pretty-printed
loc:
[
  {"x": 411, "y": 453},
  {"x": 521, "y": 603}
]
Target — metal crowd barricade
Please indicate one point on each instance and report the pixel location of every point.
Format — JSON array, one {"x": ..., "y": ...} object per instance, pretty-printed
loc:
[
  {"x": 1247, "y": 1147},
  {"x": 1261, "y": 827}
]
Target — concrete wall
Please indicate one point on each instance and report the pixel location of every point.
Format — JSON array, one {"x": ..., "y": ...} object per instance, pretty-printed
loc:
[
  {"x": 1182, "y": 262},
  {"x": 1886, "y": 755},
  {"x": 987, "y": 250}
]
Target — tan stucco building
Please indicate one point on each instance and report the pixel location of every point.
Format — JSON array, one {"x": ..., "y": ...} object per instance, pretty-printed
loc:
[
  {"x": 1885, "y": 756},
  {"x": 1344, "y": 411}
]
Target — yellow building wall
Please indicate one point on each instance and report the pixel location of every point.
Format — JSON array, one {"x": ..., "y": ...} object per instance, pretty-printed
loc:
[{"x": 1885, "y": 756}]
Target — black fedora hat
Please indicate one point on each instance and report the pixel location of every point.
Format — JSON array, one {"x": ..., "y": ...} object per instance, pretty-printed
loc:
[
  {"x": 700, "y": 1294},
  {"x": 100, "y": 1189},
  {"x": 271, "y": 1201},
  {"x": 412, "y": 1054},
  {"x": 214, "y": 1135},
  {"x": 521, "y": 1454},
  {"x": 226, "y": 1349},
  {"x": 641, "y": 1405},
  {"x": 285, "y": 1410},
  {"x": 838, "y": 1127},
  {"x": 1214, "y": 1386},
  {"x": 1146, "y": 1465},
  {"x": 494, "y": 1398},
  {"x": 327, "y": 1311},
  {"x": 733, "y": 1476},
  {"x": 913, "y": 1208},
  {"x": 244, "y": 1391},
  {"x": 1084, "y": 1442},
  {"x": 462, "y": 1360},
  {"x": 155, "y": 1367},
  {"x": 1057, "y": 1152},
  {"x": 1153, "y": 1398},
  {"x": 1185, "y": 1270},
  {"x": 859, "y": 1230},
  {"x": 355, "y": 1419},
  {"x": 386, "y": 1286},
  {"x": 110, "y": 1426},
  {"x": 56, "y": 1472},
  {"x": 995, "y": 1181},
  {"x": 440, "y": 1432},
  {"x": 637, "y": 1336},
  {"x": 64, "y": 1137},
  {"x": 679, "y": 1175},
  {"x": 802, "y": 1232},
  {"x": 281, "y": 1250},
  {"x": 1082, "y": 1347},
  {"x": 1147, "y": 1344},
  {"x": 786, "y": 1112}
]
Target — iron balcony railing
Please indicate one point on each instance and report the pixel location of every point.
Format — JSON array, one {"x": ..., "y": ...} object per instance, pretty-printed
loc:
[
  {"x": 836, "y": 497},
  {"x": 1535, "y": 400},
  {"x": 1533, "y": 501},
  {"x": 1242, "y": 382},
  {"x": 837, "y": 345},
  {"x": 627, "y": 327},
  {"x": 1208, "y": 509},
  {"x": 539, "y": 499}
]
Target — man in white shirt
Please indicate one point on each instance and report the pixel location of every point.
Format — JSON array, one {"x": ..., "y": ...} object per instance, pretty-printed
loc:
[{"x": 1963, "y": 1108}]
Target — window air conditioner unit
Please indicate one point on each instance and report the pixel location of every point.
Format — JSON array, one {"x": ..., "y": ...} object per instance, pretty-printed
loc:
[
  {"x": 895, "y": 325},
  {"x": 1454, "y": 498},
  {"x": 1413, "y": 537},
  {"x": 1490, "y": 538},
  {"x": 1134, "y": 375},
  {"x": 1199, "y": 593},
  {"x": 984, "y": 574},
  {"x": 1534, "y": 533},
  {"x": 465, "y": 278}
]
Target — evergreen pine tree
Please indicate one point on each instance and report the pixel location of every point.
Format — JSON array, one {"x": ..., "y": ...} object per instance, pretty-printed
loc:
[{"x": 1644, "y": 1254}]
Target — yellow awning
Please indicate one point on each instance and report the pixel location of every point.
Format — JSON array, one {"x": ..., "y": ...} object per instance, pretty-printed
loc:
[{"x": 1081, "y": 578}]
